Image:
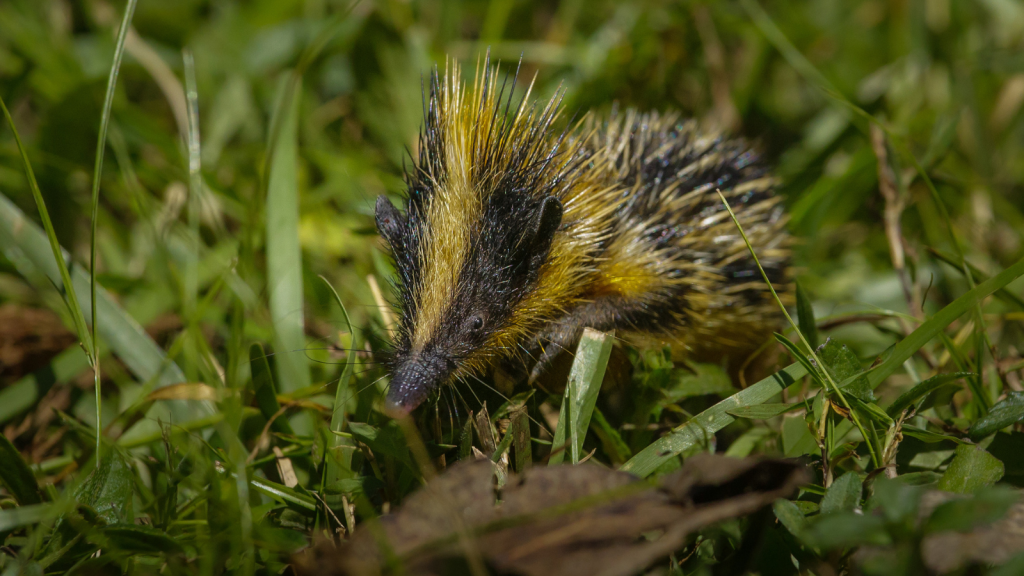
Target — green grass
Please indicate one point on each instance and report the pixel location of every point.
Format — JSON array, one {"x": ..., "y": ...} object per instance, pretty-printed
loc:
[{"x": 248, "y": 142}]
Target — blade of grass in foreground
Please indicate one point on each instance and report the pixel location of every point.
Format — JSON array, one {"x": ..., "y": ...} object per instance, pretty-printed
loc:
[
  {"x": 581, "y": 395},
  {"x": 834, "y": 388},
  {"x": 284, "y": 255},
  {"x": 101, "y": 144},
  {"x": 63, "y": 277},
  {"x": 697, "y": 430},
  {"x": 341, "y": 455},
  {"x": 906, "y": 348}
]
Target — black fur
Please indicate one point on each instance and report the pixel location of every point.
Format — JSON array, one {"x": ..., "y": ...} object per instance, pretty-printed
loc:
[{"x": 521, "y": 179}]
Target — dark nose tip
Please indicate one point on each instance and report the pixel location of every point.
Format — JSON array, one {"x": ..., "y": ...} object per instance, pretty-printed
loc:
[{"x": 411, "y": 383}]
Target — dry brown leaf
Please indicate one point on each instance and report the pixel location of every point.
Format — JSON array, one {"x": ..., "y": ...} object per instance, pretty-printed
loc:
[{"x": 585, "y": 520}]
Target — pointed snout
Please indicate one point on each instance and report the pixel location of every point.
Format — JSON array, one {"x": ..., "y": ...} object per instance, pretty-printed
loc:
[{"x": 411, "y": 382}]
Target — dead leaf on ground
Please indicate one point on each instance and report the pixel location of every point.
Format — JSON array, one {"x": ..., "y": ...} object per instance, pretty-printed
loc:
[
  {"x": 586, "y": 520},
  {"x": 29, "y": 338}
]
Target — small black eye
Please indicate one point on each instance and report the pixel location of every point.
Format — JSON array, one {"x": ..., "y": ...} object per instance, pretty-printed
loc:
[{"x": 476, "y": 323}]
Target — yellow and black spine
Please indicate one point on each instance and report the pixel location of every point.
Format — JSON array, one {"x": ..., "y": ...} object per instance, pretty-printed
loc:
[{"x": 516, "y": 235}]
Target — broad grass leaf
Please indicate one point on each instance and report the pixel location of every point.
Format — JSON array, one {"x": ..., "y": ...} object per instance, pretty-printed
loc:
[
  {"x": 745, "y": 444},
  {"x": 764, "y": 411},
  {"x": 614, "y": 446},
  {"x": 30, "y": 515},
  {"x": 284, "y": 254},
  {"x": 466, "y": 439},
  {"x": 1008, "y": 411},
  {"x": 871, "y": 411},
  {"x": 581, "y": 392},
  {"x": 340, "y": 446},
  {"x": 118, "y": 329},
  {"x": 296, "y": 498},
  {"x": 800, "y": 357},
  {"x": 928, "y": 436},
  {"x": 938, "y": 322},
  {"x": 16, "y": 475},
  {"x": 264, "y": 390},
  {"x": 695, "y": 432},
  {"x": 142, "y": 539},
  {"x": 843, "y": 495},
  {"x": 971, "y": 469},
  {"x": 920, "y": 391}
]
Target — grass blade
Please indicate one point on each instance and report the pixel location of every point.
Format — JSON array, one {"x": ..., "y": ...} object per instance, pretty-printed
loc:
[
  {"x": 28, "y": 515},
  {"x": 284, "y": 254},
  {"x": 804, "y": 67},
  {"x": 125, "y": 337},
  {"x": 97, "y": 172},
  {"x": 832, "y": 386},
  {"x": 765, "y": 411},
  {"x": 1005, "y": 413},
  {"x": 906, "y": 348},
  {"x": 910, "y": 397},
  {"x": 581, "y": 394},
  {"x": 341, "y": 397},
  {"x": 979, "y": 276},
  {"x": 284, "y": 494},
  {"x": 805, "y": 315},
  {"x": 59, "y": 258},
  {"x": 695, "y": 433},
  {"x": 16, "y": 475},
  {"x": 715, "y": 418},
  {"x": 263, "y": 388}
]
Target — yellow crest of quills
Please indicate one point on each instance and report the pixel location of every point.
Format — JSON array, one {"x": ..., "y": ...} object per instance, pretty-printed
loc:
[{"x": 516, "y": 235}]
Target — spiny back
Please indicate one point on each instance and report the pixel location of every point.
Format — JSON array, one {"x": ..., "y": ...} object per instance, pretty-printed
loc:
[
  {"x": 515, "y": 236},
  {"x": 469, "y": 238}
]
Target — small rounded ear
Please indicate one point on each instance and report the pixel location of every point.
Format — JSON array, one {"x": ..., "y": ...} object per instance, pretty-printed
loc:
[
  {"x": 389, "y": 219},
  {"x": 545, "y": 224}
]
